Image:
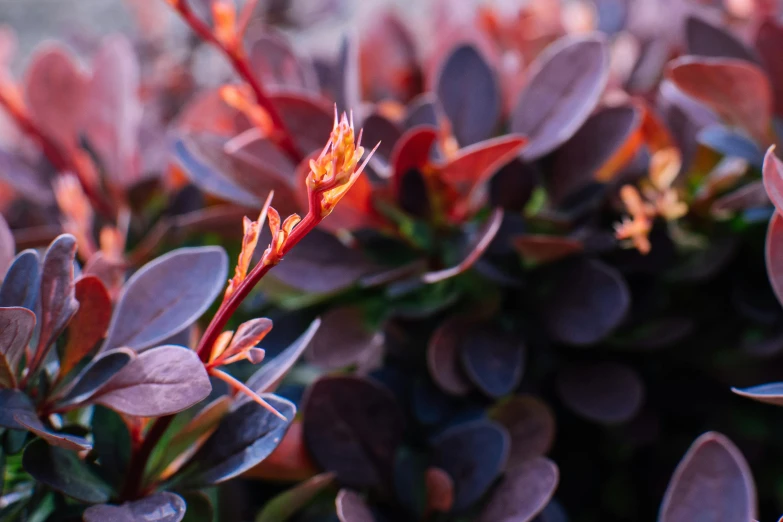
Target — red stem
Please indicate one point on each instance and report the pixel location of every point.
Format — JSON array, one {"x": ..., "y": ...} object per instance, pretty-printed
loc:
[
  {"x": 241, "y": 65},
  {"x": 62, "y": 162}
]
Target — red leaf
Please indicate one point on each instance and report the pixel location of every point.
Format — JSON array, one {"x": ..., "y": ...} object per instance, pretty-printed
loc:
[
  {"x": 412, "y": 152},
  {"x": 440, "y": 490},
  {"x": 774, "y": 253},
  {"x": 773, "y": 178},
  {"x": 89, "y": 324},
  {"x": 737, "y": 90}
]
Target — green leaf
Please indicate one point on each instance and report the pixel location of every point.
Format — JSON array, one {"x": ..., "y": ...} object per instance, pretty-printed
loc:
[
  {"x": 286, "y": 504},
  {"x": 65, "y": 472},
  {"x": 112, "y": 444}
]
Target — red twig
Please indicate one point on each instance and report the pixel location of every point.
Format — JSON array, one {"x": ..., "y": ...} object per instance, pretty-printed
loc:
[
  {"x": 241, "y": 65},
  {"x": 61, "y": 162}
]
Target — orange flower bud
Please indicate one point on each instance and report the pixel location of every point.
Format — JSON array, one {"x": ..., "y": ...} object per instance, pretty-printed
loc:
[{"x": 224, "y": 13}]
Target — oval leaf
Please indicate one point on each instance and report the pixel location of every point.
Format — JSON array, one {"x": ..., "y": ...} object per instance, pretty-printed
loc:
[
  {"x": 12, "y": 403},
  {"x": 342, "y": 340},
  {"x": 473, "y": 454},
  {"x": 351, "y": 507},
  {"x": 160, "y": 381},
  {"x": 167, "y": 295},
  {"x": 579, "y": 159},
  {"x": 7, "y": 247},
  {"x": 89, "y": 324},
  {"x": 567, "y": 82},
  {"x": 608, "y": 393},
  {"x": 443, "y": 357},
  {"x": 20, "y": 285},
  {"x": 737, "y": 90},
  {"x": 160, "y": 507},
  {"x": 712, "y": 482},
  {"x": 353, "y": 426},
  {"x": 58, "y": 302},
  {"x": 30, "y": 422},
  {"x": 705, "y": 39},
  {"x": 493, "y": 359},
  {"x": 273, "y": 371},
  {"x": 469, "y": 94},
  {"x": 771, "y": 393},
  {"x": 97, "y": 373},
  {"x": 774, "y": 254},
  {"x": 16, "y": 329},
  {"x": 591, "y": 300},
  {"x": 530, "y": 424},
  {"x": 773, "y": 178},
  {"x": 245, "y": 437},
  {"x": 523, "y": 493},
  {"x": 65, "y": 472}
]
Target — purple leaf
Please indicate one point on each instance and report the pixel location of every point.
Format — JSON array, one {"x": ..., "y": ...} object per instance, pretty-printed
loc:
[
  {"x": 65, "y": 472},
  {"x": 608, "y": 393},
  {"x": 443, "y": 360},
  {"x": 16, "y": 329},
  {"x": 12, "y": 403},
  {"x": 160, "y": 381},
  {"x": 7, "y": 247},
  {"x": 771, "y": 393},
  {"x": 97, "y": 373},
  {"x": 712, "y": 483},
  {"x": 422, "y": 111},
  {"x": 353, "y": 427},
  {"x": 580, "y": 158},
  {"x": 774, "y": 254},
  {"x": 342, "y": 340},
  {"x": 773, "y": 178},
  {"x": 58, "y": 302},
  {"x": 244, "y": 438},
  {"x": 31, "y": 422},
  {"x": 24, "y": 179},
  {"x": 166, "y": 296},
  {"x": 160, "y": 507},
  {"x": 523, "y": 493},
  {"x": 590, "y": 300},
  {"x": 530, "y": 424},
  {"x": 705, "y": 39},
  {"x": 320, "y": 264},
  {"x": 351, "y": 507},
  {"x": 566, "y": 82},
  {"x": 308, "y": 119},
  {"x": 473, "y": 454},
  {"x": 493, "y": 359},
  {"x": 207, "y": 178},
  {"x": 270, "y": 374},
  {"x": 468, "y": 91},
  {"x": 113, "y": 115}
]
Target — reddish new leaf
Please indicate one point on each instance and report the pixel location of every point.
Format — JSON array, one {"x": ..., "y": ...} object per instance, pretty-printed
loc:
[
  {"x": 440, "y": 490},
  {"x": 89, "y": 324},
  {"x": 737, "y": 90},
  {"x": 712, "y": 482},
  {"x": 539, "y": 248},
  {"x": 56, "y": 92},
  {"x": 769, "y": 41},
  {"x": 412, "y": 151},
  {"x": 523, "y": 493},
  {"x": 566, "y": 82},
  {"x": 160, "y": 381},
  {"x": 113, "y": 115}
]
